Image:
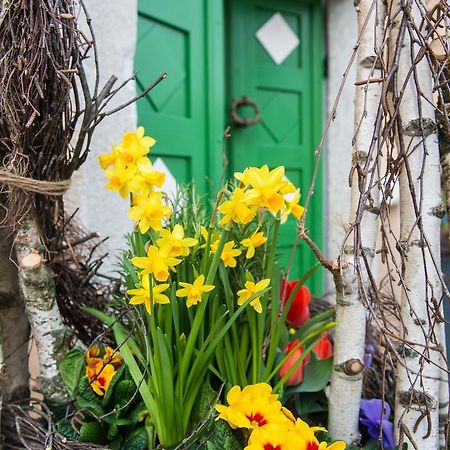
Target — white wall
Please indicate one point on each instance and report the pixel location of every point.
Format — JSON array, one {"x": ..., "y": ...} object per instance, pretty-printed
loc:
[
  {"x": 115, "y": 26},
  {"x": 342, "y": 36}
]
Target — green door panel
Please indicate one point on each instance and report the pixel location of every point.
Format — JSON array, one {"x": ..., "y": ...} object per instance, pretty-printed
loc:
[
  {"x": 289, "y": 98},
  {"x": 171, "y": 40}
]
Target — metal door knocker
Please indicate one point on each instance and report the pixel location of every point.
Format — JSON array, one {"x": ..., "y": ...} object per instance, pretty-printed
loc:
[{"x": 244, "y": 121}]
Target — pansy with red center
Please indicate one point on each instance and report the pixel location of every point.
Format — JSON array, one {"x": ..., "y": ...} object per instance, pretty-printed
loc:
[
  {"x": 274, "y": 437},
  {"x": 253, "y": 407},
  {"x": 307, "y": 440}
]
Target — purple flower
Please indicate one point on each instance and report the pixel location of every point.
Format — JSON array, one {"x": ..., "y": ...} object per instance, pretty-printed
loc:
[
  {"x": 368, "y": 356},
  {"x": 377, "y": 421}
]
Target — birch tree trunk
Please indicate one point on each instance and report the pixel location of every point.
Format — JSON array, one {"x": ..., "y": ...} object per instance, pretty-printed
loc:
[
  {"x": 417, "y": 387},
  {"x": 347, "y": 375},
  {"x": 38, "y": 290}
]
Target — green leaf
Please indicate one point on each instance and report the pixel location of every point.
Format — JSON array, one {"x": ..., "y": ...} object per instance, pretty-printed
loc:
[
  {"x": 71, "y": 369},
  {"x": 139, "y": 413},
  {"x": 115, "y": 379},
  {"x": 223, "y": 437},
  {"x": 123, "y": 393},
  {"x": 315, "y": 376},
  {"x": 113, "y": 431},
  {"x": 92, "y": 432},
  {"x": 66, "y": 429},
  {"x": 94, "y": 407},
  {"x": 136, "y": 440}
]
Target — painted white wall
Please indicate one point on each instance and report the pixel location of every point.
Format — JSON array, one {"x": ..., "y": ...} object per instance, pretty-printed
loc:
[
  {"x": 115, "y": 27},
  {"x": 342, "y": 36}
]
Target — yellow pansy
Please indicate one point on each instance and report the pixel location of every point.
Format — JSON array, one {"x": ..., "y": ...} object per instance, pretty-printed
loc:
[
  {"x": 237, "y": 208},
  {"x": 147, "y": 178},
  {"x": 148, "y": 295},
  {"x": 194, "y": 291},
  {"x": 134, "y": 146},
  {"x": 149, "y": 211},
  {"x": 308, "y": 441},
  {"x": 273, "y": 437},
  {"x": 292, "y": 207},
  {"x": 229, "y": 253},
  {"x": 250, "y": 290},
  {"x": 113, "y": 357},
  {"x": 174, "y": 241},
  {"x": 119, "y": 178},
  {"x": 157, "y": 262},
  {"x": 100, "y": 377},
  {"x": 252, "y": 407},
  {"x": 254, "y": 241}
]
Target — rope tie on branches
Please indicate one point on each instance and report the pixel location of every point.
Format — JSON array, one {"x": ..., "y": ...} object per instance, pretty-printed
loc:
[{"x": 56, "y": 188}]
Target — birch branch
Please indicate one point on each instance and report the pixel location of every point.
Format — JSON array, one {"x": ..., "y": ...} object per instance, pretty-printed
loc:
[{"x": 38, "y": 290}]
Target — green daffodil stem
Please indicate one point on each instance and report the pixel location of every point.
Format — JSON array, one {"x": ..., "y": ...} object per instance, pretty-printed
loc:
[
  {"x": 198, "y": 320},
  {"x": 273, "y": 247}
]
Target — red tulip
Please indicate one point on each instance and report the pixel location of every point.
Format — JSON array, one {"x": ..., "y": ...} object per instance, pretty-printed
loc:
[
  {"x": 299, "y": 311},
  {"x": 324, "y": 348},
  {"x": 297, "y": 375}
]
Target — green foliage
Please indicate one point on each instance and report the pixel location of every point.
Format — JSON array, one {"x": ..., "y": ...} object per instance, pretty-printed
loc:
[
  {"x": 71, "y": 369},
  {"x": 115, "y": 419}
]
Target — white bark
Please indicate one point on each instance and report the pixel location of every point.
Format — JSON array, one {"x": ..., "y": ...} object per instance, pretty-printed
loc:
[
  {"x": 38, "y": 290},
  {"x": 417, "y": 387},
  {"x": 347, "y": 375}
]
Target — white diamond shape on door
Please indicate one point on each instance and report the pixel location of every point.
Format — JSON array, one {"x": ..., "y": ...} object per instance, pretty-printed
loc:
[{"x": 277, "y": 38}]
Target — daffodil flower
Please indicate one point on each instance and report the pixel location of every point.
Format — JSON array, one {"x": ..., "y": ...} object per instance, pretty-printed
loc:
[
  {"x": 229, "y": 253},
  {"x": 174, "y": 241},
  {"x": 148, "y": 295},
  {"x": 135, "y": 146},
  {"x": 157, "y": 262},
  {"x": 194, "y": 291},
  {"x": 149, "y": 211},
  {"x": 292, "y": 207},
  {"x": 254, "y": 241},
  {"x": 109, "y": 159},
  {"x": 250, "y": 290},
  {"x": 146, "y": 179},
  {"x": 119, "y": 178},
  {"x": 237, "y": 208}
]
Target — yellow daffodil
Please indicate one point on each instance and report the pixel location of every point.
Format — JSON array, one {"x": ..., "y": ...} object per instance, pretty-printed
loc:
[
  {"x": 108, "y": 159},
  {"x": 134, "y": 146},
  {"x": 174, "y": 241},
  {"x": 250, "y": 290},
  {"x": 266, "y": 187},
  {"x": 229, "y": 253},
  {"x": 157, "y": 262},
  {"x": 100, "y": 377},
  {"x": 147, "y": 178},
  {"x": 149, "y": 211},
  {"x": 308, "y": 441},
  {"x": 253, "y": 407},
  {"x": 148, "y": 295},
  {"x": 194, "y": 291},
  {"x": 119, "y": 178},
  {"x": 237, "y": 208},
  {"x": 292, "y": 207},
  {"x": 254, "y": 241},
  {"x": 273, "y": 437}
]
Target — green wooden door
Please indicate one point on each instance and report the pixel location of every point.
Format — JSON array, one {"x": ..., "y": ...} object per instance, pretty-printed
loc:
[
  {"x": 288, "y": 94},
  {"x": 171, "y": 36}
]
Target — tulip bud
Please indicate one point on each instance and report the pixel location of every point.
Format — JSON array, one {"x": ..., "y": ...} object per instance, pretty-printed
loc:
[
  {"x": 297, "y": 375},
  {"x": 299, "y": 311},
  {"x": 324, "y": 348}
]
